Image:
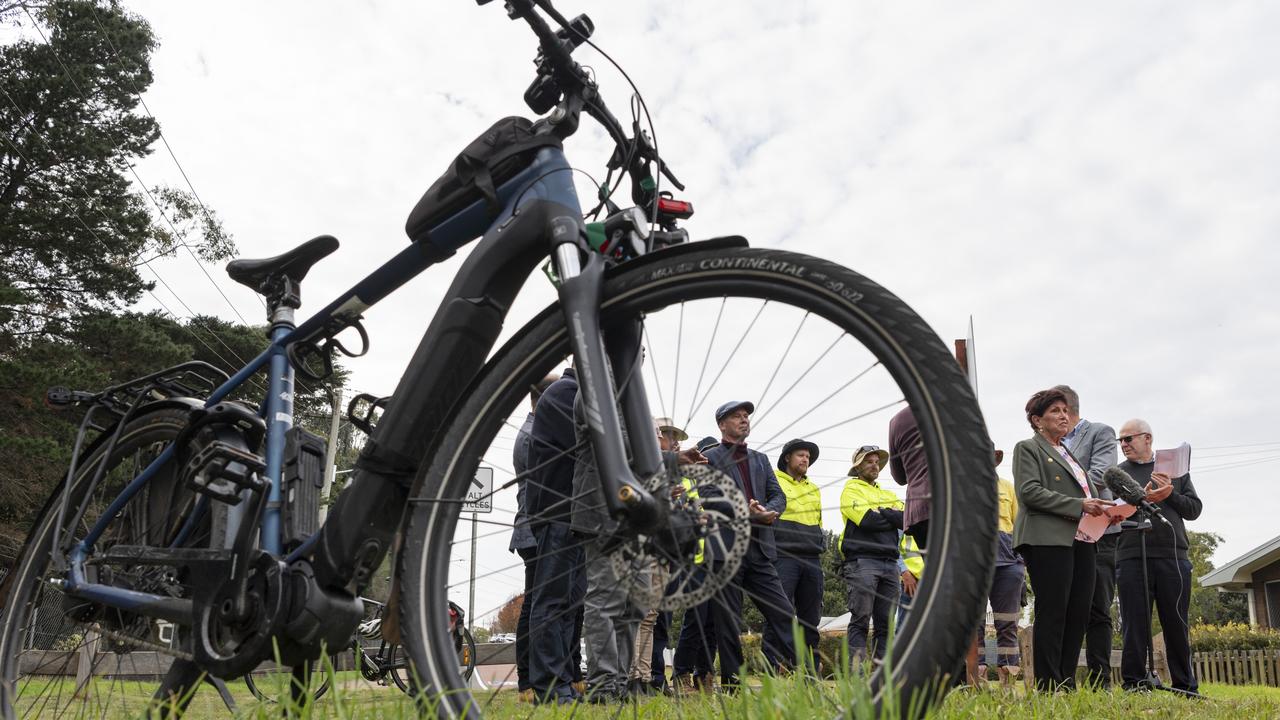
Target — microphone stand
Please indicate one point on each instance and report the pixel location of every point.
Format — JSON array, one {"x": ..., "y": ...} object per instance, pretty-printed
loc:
[{"x": 1152, "y": 681}]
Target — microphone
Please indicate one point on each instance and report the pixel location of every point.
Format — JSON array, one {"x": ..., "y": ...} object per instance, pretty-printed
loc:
[{"x": 1128, "y": 490}]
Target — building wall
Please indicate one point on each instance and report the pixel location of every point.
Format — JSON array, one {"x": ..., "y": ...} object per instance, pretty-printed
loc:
[{"x": 1261, "y": 576}]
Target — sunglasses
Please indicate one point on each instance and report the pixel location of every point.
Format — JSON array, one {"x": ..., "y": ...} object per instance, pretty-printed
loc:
[
  {"x": 869, "y": 448},
  {"x": 1129, "y": 438}
]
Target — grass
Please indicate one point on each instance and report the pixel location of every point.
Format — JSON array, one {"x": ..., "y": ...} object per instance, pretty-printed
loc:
[{"x": 773, "y": 698}]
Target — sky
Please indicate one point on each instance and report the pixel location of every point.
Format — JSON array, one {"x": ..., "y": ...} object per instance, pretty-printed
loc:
[{"x": 1092, "y": 183}]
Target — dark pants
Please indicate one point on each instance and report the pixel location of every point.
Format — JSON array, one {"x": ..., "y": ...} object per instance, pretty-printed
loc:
[
  {"x": 696, "y": 648},
  {"x": 1006, "y": 608},
  {"x": 920, "y": 533},
  {"x": 1097, "y": 638},
  {"x": 530, "y": 557},
  {"x": 1062, "y": 580},
  {"x": 555, "y": 627},
  {"x": 658, "y": 662},
  {"x": 1169, "y": 581},
  {"x": 872, "y": 586},
  {"x": 759, "y": 579},
  {"x": 802, "y": 583}
]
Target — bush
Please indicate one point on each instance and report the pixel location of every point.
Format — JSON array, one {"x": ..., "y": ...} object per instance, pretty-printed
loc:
[
  {"x": 1232, "y": 636},
  {"x": 830, "y": 647}
]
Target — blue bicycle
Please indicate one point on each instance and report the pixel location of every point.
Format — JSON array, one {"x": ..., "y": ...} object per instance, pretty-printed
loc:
[{"x": 188, "y": 509}]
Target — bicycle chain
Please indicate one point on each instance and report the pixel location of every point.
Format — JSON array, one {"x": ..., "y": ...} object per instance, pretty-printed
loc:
[{"x": 133, "y": 641}]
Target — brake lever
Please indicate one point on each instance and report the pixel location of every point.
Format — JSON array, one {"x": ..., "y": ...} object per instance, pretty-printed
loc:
[{"x": 666, "y": 172}]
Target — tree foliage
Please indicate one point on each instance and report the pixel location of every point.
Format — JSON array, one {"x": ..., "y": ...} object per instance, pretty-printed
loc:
[
  {"x": 77, "y": 228},
  {"x": 1208, "y": 605},
  {"x": 74, "y": 231},
  {"x": 103, "y": 349},
  {"x": 508, "y": 615}
]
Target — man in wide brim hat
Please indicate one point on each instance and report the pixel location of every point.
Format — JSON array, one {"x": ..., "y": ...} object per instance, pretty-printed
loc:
[
  {"x": 792, "y": 446},
  {"x": 861, "y": 454},
  {"x": 666, "y": 425}
]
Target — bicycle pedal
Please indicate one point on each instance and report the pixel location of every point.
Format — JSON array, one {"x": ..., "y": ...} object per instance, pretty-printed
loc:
[{"x": 222, "y": 471}]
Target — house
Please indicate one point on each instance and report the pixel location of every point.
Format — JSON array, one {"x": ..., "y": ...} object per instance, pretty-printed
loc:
[{"x": 1257, "y": 573}]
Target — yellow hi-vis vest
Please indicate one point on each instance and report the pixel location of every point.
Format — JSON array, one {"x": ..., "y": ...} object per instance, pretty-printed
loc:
[
  {"x": 911, "y": 555},
  {"x": 700, "y": 557},
  {"x": 804, "y": 500}
]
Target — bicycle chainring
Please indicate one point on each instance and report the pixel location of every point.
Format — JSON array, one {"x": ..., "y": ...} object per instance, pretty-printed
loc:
[
  {"x": 708, "y": 506},
  {"x": 228, "y": 647}
]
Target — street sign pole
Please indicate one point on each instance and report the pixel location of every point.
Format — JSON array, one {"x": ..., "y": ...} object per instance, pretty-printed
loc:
[{"x": 479, "y": 500}]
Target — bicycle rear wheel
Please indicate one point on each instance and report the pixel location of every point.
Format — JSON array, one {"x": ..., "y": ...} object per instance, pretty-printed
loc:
[
  {"x": 60, "y": 656},
  {"x": 822, "y": 352}
]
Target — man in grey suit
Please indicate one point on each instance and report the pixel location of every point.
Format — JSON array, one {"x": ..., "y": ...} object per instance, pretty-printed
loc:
[{"x": 1094, "y": 446}]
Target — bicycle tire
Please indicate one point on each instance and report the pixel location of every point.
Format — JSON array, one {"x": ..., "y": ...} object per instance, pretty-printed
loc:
[
  {"x": 316, "y": 694},
  {"x": 25, "y": 593},
  {"x": 964, "y": 498},
  {"x": 399, "y": 670},
  {"x": 468, "y": 651}
]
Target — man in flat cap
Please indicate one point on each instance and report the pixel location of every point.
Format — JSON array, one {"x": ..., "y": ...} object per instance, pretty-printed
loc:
[{"x": 758, "y": 575}]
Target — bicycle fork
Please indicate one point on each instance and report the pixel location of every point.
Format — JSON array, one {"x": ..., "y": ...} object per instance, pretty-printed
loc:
[{"x": 601, "y": 357}]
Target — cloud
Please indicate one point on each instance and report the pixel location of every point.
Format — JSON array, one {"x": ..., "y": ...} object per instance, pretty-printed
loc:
[{"x": 1094, "y": 183}]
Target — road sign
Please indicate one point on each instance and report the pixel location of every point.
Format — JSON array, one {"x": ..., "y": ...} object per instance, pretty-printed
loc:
[{"x": 480, "y": 492}]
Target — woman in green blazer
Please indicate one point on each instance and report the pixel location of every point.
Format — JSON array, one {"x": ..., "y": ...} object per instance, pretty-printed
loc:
[{"x": 1054, "y": 492}]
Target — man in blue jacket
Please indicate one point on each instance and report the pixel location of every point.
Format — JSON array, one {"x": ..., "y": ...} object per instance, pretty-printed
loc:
[
  {"x": 758, "y": 576},
  {"x": 558, "y": 580}
]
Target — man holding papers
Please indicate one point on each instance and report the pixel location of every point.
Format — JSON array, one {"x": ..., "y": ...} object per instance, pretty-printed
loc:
[{"x": 1168, "y": 570}]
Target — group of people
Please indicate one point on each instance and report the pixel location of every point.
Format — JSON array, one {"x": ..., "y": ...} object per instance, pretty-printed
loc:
[
  {"x": 574, "y": 596},
  {"x": 1058, "y": 473}
]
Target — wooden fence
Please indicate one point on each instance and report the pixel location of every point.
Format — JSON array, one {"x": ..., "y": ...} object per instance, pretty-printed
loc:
[{"x": 1238, "y": 667}]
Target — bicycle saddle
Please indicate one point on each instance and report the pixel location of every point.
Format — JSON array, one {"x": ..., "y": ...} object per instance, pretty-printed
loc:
[{"x": 292, "y": 265}]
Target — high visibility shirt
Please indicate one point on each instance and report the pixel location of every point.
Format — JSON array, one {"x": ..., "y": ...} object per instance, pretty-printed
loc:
[
  {"x": 873, "y": 517},
  {"x": 804, "y": 500},
  {"x": 911, "y": 555},
  {"x": 1008, "y": 505},
  {"x": 700, "y": 556},
  {"x": 798, "y": 531}
]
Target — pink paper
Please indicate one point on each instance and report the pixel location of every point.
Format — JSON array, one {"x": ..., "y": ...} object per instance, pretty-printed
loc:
[
  {"x": 1092, "y": 527},
  {"x": 1175, "y": 463}
]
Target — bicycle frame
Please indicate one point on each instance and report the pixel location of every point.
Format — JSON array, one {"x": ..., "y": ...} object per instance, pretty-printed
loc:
[{"x": 541, "y": 214}]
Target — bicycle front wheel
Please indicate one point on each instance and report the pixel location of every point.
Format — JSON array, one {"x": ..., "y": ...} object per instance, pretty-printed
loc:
[{"x": 822, "y": 353}]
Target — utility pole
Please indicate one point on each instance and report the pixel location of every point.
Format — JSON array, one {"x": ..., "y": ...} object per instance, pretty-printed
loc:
[
  {"x": 471, "y": 604},
  {"x": 331, "y": 452}
]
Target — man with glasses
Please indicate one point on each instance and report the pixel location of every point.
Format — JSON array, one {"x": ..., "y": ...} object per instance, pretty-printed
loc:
[
  {"x": 869, "y": 544},
  {"x": 1168, "y": 569},
  {"x": 1093, "y": 445}
]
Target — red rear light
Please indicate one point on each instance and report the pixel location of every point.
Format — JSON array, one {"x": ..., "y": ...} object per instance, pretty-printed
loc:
[{"x": 675, "y": 208}]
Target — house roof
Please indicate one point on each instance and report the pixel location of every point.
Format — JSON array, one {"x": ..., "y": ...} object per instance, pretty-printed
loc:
[{"x": 1238, "y": 573}]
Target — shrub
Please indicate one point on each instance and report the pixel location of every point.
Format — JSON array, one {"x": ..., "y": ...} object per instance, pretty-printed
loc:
[{"x": 1232, "y": 636}]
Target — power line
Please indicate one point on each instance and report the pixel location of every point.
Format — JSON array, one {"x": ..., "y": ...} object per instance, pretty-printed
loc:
[
  {"x": 181, "y": 170},
  {"x": 199, "y": 264},
  {"x": 134, "y": 172},
  {"x": 162, "y": 281}
]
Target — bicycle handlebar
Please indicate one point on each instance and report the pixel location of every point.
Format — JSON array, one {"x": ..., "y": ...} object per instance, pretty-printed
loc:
[{"x": 563, "y": 81}]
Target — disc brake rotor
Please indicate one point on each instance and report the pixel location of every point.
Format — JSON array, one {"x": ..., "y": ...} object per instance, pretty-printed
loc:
[{"x": 658, "y": 575}]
